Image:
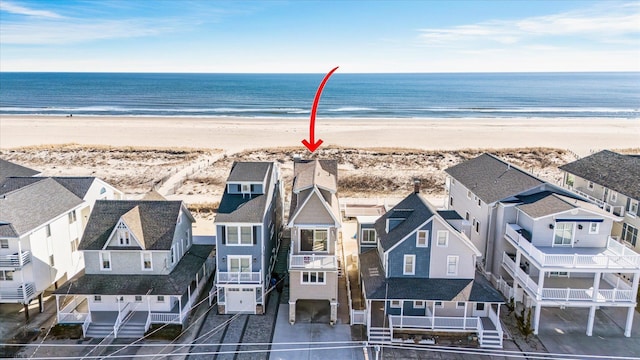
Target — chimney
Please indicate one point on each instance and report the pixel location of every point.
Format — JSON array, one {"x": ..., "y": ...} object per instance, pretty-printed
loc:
[
  {"x": 296, "y": 158},
  {"x": 416, "y": 186}
]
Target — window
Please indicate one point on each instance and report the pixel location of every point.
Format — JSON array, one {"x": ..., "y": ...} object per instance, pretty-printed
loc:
[
  {"x": 48, "y": 230},
  {"x": 160, "y": 298},
  {"x": 594, "y": 227},
  {"x": 469, "y": 194},
  {"x": 313, "y": 277},
  {"x": 172, "y": 255},
  {"x": 102, "y": 191},
  {"x": 439, "y": 304},
  {"x": 313, "y": 240},
  {"x": 466, "y": 216},
  {"x": 186, "y": 234},
  {"x": 4, "y": 244},
  {"x": 51, "y": 261},
  {"x": 74, "y": 244},
  {"x": 138, "y": 298},
  {"x": 613, "y": 196},
  {"x": 239, "y": 235},
  {"x": 590, "y": 185},
  {"x": 246, "y": 188},
  {"x": 105, "y": 260},
  {"x": 409, "y": 265},
  {"x": 478, "y": 227},
  {"x": 451, "y": 201},
  {"x": 479, "y": 202},
  {"x": 460, "y": 305},
  {"x": 368, "y": 236},
  {"x": 563, "y": 234},
  {"x": 72, "y": 217},
  {"x": 629, "y": 234},
  {"x": 395, "y": 304},
  {"x": 422, "y": 240},
  {"x": 97, "y": 298},
  {"x": 146, "y": 258},
  {"x": 480, "y": 306},
  {"x": 632, "y": 209},
  {"x": 559, "y": 274},
  {"x": 452, "y": 265},
  {"x": 239, "y": 263},
  {"x": 443, "y": 238},
  {"x": 418, "y": 304},
  {"x": 570, "y": 180},
  {"x": 6, "y": 275}
]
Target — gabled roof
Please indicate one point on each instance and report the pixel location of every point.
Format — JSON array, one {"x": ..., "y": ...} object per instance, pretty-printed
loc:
[
  {"x": 34, "y": 205},
  {"x": 377, "y": 287},
  {"x": 617, "y": 172},
  {"x": 77, "y": 185},
  {"x": 8, "y": 168},
  {"x": 413, "y": 209},
  {"x": 246, "y": 208},
  {"x": 547, "y": 203},
  {"x": 153, "y": 195},
  {"x": 157, "y": 221},
  {"x": 249, "y": 171},
  {"x": 492, "y": 179},
  {"x": 10, "y": 184},
  {"x": 175, "y": 283},
  {"x": 320, "y": 173}
]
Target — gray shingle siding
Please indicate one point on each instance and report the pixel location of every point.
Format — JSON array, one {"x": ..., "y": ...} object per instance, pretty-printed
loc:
[{"x": 408, "y": 246}]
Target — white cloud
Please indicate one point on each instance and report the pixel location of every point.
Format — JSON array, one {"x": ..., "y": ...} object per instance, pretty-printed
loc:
[{"x": 21, "y": 10}]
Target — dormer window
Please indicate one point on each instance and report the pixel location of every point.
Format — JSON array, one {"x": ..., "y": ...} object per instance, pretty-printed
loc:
[
  {"x": 246, "y": 188},
  {"x": 124, "y": 236}
]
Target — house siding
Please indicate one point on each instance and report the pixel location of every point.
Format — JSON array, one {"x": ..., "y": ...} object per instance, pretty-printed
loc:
[
  {"x": 314, "y": 212},
  {"x": 462, "y": 204},
  {"x": 455, "y": 247},
  {"x": 362, "y": 247},
  {"x": 255, "y": 251},
  {"x": 408, "y": 246},
  {"x": 328, "y": 291}
]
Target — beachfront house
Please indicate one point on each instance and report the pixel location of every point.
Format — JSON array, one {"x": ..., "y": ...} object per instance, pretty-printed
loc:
[
  {"x": 421, "y": 279},
  {"x": 543, "y": 245},
  {"x": 314, "y": 221},
  {"x": 141, "y": 268},
  {"x": 612, "y": 181},
  {"x": 41, "y": 222},
  {"x": 248, "y": 224}
]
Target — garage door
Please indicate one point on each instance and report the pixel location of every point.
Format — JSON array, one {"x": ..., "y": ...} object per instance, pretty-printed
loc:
[{"x": 241, "y": 300}]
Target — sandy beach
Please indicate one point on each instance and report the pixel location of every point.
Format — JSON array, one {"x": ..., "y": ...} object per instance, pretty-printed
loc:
[{"x": 238, "y": 134}]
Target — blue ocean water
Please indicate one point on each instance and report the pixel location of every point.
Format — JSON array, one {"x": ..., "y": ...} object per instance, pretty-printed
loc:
[{"x": 345, "y": 95}]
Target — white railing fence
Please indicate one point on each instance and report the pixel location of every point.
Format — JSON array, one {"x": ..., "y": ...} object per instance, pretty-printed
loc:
[{"x": 85, "y": 325}]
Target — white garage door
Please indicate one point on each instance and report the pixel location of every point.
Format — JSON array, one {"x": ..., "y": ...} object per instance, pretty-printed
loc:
[{"x": 241, "y": 300}]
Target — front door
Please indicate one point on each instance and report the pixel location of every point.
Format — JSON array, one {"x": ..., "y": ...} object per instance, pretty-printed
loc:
[{"x": 240, "y": 299}]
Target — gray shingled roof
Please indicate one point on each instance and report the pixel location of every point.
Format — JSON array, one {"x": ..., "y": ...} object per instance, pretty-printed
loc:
[
  {"x": 414, "y": 209},
  {"x": 543, "y": 204},
  {"x": 8, "y": 168},
  {"x": 249, "y": 171},
  {"x": 492, "y": 179},
  {"x": 304, "y": 169},
  {"x": 618, "y": 172},
  {"x": 77, "y": 185},
  {"x": 175, "y": 283},
  {"x": 34, "y": 205},
  {"x": 14, "y": 183},
  {"x": 7, "y": 230},
  {"x": 243, "y": 208},
  {"x": 379, "y": 288},
  {"x": 158, "y": 220}
]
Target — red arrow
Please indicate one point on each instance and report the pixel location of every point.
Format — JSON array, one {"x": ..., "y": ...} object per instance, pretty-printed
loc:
[{"x": 312, "y": 144}]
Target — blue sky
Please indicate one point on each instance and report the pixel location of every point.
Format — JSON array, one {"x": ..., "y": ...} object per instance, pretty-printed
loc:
[{"x": 314, "y": 36}]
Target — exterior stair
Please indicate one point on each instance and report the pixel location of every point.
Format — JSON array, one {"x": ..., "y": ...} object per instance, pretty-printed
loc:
[
  {"x": 99, "y": 330},
  {"x": 282, "y": 264},
  {"x": 380, "y": 335},
  {"x": 131, "y": 330},
  {"x": 491, "y": 339}
]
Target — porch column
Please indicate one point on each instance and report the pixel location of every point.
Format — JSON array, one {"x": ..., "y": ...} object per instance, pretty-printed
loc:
[
  {"x": 592, "y": 316},
  {"x": 40, "y": 303},
  {"x": 536, "y": 318},
  {"x": 596, "y": 286},
  {"x": 334, "y": 312},
  {"x": 629, "y": 323},
  {"x": 292, "y": 312},
  {"x": 516, "y": 268},
  {"x": 401, "y": 313},
  {"x": 180, "y": 308},
  {"x": 540, "y": 285},
  {"x": 433, "y": 316},
  {"x": 58, "y": 307},
  {"x": 464, "y": 317}
]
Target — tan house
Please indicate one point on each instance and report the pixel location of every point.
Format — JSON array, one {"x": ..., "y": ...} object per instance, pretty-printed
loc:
[{"x": 314, "y": 220}]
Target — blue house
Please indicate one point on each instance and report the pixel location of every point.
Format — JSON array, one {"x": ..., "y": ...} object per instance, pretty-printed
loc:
[
  {"x": 420, "y": 278},
  {"x": 247, "y": 226}
]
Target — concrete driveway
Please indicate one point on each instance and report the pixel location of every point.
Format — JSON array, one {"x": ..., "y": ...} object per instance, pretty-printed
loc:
[{"x": 563, "y": 331}]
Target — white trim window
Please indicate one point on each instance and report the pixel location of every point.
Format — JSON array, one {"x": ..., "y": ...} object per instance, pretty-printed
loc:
[
  {"x": 48, "y": 230},
  {"x": 138, "y": 298},
  {"x": 594, "y": 227},
  {"x": 632, "y": 209},
  {"x": 418, "y": 304},
  {"x": 6, "y": 275},
  {"x": 239, "y": 235},
  {"x": 563, "y": 234},
  {"x": 438, "y": 304},
  {"x": 160, "y": 298},
  {"x": 124, "y": 235},
  {"x": 245, "y": 188},
  {"x": 452, "y": 265},
  {"x": 146, "y": 259},
  {"x": 314, "y": 240},
  {"x": 172, "y": 255},
  {"x": 4, "y": 243},
  {"x": 613, "y": 196},
  {"x": 313, "y": 278},
  {"x": 629, "y": 234},
  {"x": 409, "y": 265},
  {"x": 240, "y": 263},
  {"x": 74, "y": 244},
  {"x": 395, "y": 304},
  {"x": 443, "y": 238},
  {"x": 97, "y": 298},
  {"x": 469, "y": 193},
  {"x": 72, "y": 217},
  {"x": 368, "y": 236},
  {"x": 460, "y": 304},
  {"x": 105, "y": 261},
  {"x": 422, "y": 238}
]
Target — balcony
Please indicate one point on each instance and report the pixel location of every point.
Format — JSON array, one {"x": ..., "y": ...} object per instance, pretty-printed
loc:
[
  {"x": 313, "y": 261},
  {"x": 16, "y": 294},
  {"x": 238, "y": 277},
  {"x": 614, "y": 256},
  {"x": 612, "y": 289},
  {"x": 612, "y": 209},
  {"x": 15, "y": 261}
]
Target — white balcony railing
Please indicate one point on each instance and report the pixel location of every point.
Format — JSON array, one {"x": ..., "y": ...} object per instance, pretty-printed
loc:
[
  {"x": 517, "y": 273},
  {"x": 614, "y": 256},
  {"x": 444, "y": 323},
  {"x": 15, "y": 261},
  {"x": 20, "y": 293},
  {"x": 164, "y": 318},
  {"x": 237, "y": 277},
  {"x": 617, "y": 210},
  {"x": 313, "y": 261}
]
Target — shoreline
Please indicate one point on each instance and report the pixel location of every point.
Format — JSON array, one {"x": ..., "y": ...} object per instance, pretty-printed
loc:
[{"x": 234, "y": 134}]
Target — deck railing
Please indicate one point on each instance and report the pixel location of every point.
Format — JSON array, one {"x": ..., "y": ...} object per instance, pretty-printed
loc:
[
  {"x": 619, "y": 257},
  {"x": 164, "y": 318},
  {"x": 238, "y": 277},
  {"x": 313, "y": 261},
  {"x": 445, "y": 323},
  {"x": 15, "y": 261},
  {"x": 122, "y": 313},
  {"x": 18, "y": 293},
  {"x": 85, "y": 325}
]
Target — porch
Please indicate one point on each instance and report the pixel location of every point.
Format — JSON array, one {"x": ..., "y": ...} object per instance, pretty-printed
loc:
[
  {"x": 17, "y": 294},
  {"x": 15, "y": 261}
]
